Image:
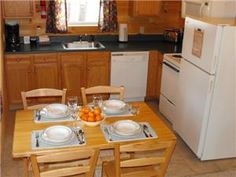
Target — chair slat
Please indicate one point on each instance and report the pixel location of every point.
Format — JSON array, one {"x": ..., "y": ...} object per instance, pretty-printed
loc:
[
  {"x": 43, "y": 92},
  {"x": 137, "y": 147},
  {"x": 142, "y": 162},
  {"x": 101, "y": 90},
  {"x": 65, "y": 171},
  {"x": 65, "y": 156}
]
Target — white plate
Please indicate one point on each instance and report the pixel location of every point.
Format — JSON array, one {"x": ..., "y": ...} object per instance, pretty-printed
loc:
[
  {"x": 57, "y": 134},
  {"x": 113, "y": 106},
  {"x": 55, "y": 111},
  {"x": 126, "y": 127}
]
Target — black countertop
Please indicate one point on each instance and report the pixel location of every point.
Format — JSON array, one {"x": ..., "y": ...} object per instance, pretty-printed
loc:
[{"x": 151, "y": 43}]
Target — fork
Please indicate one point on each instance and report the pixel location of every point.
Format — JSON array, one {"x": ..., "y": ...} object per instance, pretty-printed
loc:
[
  {"x": 108, "y": 134},
  {"x": 37, "y": 139}
]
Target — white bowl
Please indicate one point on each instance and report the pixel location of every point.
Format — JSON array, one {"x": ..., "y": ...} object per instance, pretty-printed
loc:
[
  {"x": 113, "y": 106},
  {"x": 56, "y": 110}
]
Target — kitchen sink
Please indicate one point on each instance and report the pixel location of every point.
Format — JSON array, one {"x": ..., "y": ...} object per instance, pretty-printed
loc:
[{"x": 83, "y": 45}]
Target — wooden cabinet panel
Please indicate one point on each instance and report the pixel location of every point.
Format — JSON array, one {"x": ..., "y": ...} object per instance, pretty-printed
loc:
[
  {"x": 98, "y": 68},
  {"x": 19, "y": 76},
  {"x": 154, "y": 75},
  {"x": 160, "y": 60},
  {"x": 18, "y": 9},
  {"x": 46, "y": 74},
  {"x": 145, "y": 8},
  {"x": 73, "y": 66}
]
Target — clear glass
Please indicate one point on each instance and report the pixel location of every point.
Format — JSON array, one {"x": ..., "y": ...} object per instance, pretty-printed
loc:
[
  {"x": 72, "y": 102},
  {"x": 97, "y": 101}
]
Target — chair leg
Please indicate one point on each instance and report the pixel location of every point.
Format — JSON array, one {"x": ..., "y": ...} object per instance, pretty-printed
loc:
[{"x": 26, "y": 167}]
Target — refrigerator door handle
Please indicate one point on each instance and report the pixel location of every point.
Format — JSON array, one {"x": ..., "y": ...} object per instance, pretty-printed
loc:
[{"x": 211, "y": 85}]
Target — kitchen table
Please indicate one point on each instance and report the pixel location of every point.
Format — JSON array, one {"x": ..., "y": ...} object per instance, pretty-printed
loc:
[{"x": 24, "y": 125}]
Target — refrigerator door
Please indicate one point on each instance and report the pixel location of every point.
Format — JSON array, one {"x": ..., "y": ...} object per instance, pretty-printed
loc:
[
  {"x": 221, "y": 134},
  {"x": 192, "y": 105},
  {"x": 201, "y": 44}
]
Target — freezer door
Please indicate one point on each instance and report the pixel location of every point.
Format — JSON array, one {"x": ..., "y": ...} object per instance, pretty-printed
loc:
[
  {"x": 201, "y": 44},
  {"x": 192, "y": 104},
  {"x": 221, "y": 135}
]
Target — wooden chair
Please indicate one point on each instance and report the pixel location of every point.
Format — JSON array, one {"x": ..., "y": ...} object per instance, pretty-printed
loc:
[
  {"x": 80, "y": 163},
  {"x": 102, "y": 90},
  {"x": 40, "y": 93},
  {"x": 137, "y": 164}
]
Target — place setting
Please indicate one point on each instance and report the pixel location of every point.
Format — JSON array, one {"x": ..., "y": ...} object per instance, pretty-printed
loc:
[
  {"x": 57, "y": 112},
  {"x": 57, "y": 136},
  {"x": 127, "y": 130},
  {"x": 114, "y": 107}
]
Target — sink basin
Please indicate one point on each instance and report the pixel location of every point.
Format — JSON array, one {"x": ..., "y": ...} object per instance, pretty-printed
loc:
[{"x": 83, "y": 45}]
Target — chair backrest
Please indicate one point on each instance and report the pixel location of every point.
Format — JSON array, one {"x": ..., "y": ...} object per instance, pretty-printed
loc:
[
  {"x": 73, "y": 163},
  {"x": 42, "y": 92},
  {"x": 102, "y": 90},
  {"x": 160, "y": 157}
]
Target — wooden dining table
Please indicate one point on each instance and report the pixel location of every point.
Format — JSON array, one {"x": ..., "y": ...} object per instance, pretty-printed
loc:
[{"x": 24, "y": 125}]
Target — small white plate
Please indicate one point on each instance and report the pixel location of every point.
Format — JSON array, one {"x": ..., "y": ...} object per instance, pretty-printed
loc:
[
  {"x": 55, "y": 111},
  {"x": 126, "y": 127},
  {"x": 113, "y": 106},
  {"x": 57, "y": 134}
]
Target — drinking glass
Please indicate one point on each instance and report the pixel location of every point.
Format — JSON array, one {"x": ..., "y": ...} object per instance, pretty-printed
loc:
[
  {"x": 72, "y": 102},
  {"x": 97, "y": 101}
]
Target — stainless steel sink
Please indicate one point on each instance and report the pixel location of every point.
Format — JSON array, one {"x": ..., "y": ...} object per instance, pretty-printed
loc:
[{"x": 83, "y": 45}]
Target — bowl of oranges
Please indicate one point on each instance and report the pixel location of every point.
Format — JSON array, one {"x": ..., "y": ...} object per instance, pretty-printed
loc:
[{"x": 91, "y": 117}]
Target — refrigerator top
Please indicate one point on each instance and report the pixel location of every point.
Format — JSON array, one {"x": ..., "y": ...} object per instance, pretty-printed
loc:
[
  {"x": 215, "y": 21},
  {"x": 201, "y": 44}
]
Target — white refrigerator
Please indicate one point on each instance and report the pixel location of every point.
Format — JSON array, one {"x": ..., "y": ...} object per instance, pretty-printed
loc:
[{"x": 206, "y": 94}]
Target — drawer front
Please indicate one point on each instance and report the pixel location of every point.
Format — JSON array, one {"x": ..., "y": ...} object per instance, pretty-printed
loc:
[{"x": 45, "y": 58}]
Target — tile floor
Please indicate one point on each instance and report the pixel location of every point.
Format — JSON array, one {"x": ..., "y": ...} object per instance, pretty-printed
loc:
[{"x": 183, "y": 163}]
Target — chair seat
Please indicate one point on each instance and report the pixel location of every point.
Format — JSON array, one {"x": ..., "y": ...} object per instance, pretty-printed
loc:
[{"x": 109, "y": 171}]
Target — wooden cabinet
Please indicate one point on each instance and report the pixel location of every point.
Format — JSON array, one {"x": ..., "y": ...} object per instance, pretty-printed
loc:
[
  {"x": 84, "y": 69},
  {"x": 154, "y": 75},
  {"x": 17, "y": 9},
  {"x": 98, "y": 68},
  {"x": 46, "y": 72},
  {"x": 19, "y": 76},
  {"x": 27, "y": 72},
  {"x": 73, "y": 72},
  {"x": 145, "y": 8}
]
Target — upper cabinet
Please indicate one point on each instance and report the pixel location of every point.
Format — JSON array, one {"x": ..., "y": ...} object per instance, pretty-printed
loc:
[
  {"x": 17, "y": 9},
  {"x": 145, "y": 8}
]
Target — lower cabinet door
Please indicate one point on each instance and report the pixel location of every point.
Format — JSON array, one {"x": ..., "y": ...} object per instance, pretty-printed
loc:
[{"x": 73, "y": 73}]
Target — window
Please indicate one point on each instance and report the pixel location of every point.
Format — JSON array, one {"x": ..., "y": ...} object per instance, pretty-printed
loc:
[{"x": 83, "y": 12}]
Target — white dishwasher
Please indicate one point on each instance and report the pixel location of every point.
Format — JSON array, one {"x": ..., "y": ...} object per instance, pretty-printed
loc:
[{"x": 129, "y": 69}]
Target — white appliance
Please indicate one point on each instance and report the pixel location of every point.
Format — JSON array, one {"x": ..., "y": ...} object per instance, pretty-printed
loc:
[
  {"x": 123, "y": 32},
  {"x": 209, "y": 8},
  {"x": 206, "y": 94},
  {"x": 169, "y": 78},
  {"x": 130, "y": 70}
]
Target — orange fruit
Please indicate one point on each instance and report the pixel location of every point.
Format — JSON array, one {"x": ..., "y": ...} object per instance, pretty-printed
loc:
[
  {"x": 84, "y": 117},
  {"x": 91, "y": 119},
  {"x": 81, "y": 114},
  {"x": 97, "y": 111},
  {"x": 91, "y": 114},
  {"x": 98, "y": 117},
  {"x": 86, "y": 110}
]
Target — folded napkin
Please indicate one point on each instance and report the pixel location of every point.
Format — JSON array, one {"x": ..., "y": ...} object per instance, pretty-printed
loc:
[{"x": 110, "y": 136}]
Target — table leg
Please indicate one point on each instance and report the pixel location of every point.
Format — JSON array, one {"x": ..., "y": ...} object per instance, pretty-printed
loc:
[{"x": 26, "y": 167}]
